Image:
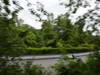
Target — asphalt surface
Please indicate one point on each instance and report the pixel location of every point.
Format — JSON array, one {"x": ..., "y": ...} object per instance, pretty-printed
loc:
[{"x": 49, "y": 60}]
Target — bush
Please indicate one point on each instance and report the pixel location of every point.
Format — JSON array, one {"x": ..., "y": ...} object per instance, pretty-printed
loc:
[
  {"x": 79, "y": 49},
  {"x": 67, "y": 66},
  {"x": 76, "y": 66},
  {"x": 46, "y": 50},
  {"x": 30, "y": 69},
  {"x": 16, "y": 68}
]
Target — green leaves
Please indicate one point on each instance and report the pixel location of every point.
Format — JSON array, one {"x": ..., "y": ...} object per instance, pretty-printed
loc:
[
  {"x": 76, "y": 66},
  {"x": 6, "y": 2}
]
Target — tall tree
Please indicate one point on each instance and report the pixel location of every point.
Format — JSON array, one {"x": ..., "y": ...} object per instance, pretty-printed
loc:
[
  {"x": 48, "y": 33},
  {"x": 90, "y": 17},
  {"x": 9, "y": 40},
  {"x": 64, "y": 28}
]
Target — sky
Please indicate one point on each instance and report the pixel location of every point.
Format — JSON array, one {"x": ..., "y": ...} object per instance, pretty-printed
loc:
[{"x": 51, "y": 6}]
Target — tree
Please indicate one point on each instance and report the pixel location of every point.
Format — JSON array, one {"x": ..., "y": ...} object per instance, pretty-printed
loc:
[
  {"x": 76, "y": 66},
  {"x": 64, "y": 28},
  {"x": 48, "y": 34},
  {"x": 9, "y": 40},
  {"x": 91, "y": 17}
]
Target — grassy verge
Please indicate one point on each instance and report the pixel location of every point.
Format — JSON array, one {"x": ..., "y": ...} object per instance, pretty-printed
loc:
[{"x": 46, "y": 50}]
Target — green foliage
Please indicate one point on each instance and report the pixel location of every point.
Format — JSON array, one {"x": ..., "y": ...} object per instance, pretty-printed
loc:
[
  {"x": 30, "y": 69},
  {"x": 64, "y": 28},
  {"x": 6, "y": 2},
  {"x": 76, "y": 66},
  {"x": 44, "y": 50},
  {"x": 68, "y": 67},
  {"x": 9, "y": 68},
  {"x": 16, "y": 68},
  {"x": 59, "y": 38},
  {"x": 56, "y": 34},
  {"x": 93, "y": 64},
  {"x": 8, "y": 37},
  {"x": 48, "y": 34},
  {"x": 50, "y": 50}
]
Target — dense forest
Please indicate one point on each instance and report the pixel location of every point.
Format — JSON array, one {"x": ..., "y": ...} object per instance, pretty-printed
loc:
[{"x": 56, "y": 35}]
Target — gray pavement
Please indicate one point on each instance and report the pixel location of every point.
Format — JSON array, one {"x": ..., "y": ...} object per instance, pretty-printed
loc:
[
  {"x": 44, "y": 57},
  {"x": 49, "y": 60}
]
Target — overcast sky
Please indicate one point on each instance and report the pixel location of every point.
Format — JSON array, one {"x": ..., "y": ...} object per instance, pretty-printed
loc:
[{"x": 51, "y": 6}]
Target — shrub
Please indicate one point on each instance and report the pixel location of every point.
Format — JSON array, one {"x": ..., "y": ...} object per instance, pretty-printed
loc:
[
  {"x": 42, "y": 51},
  {"x": 15, "y": 68},
  {"x": 76, "y": 66},
  {"x": 76, "y": 50},
  {"x": 30, "y": 69},
  {"x": 47, "y": 50},
  {"x": 69, "y": 67}
]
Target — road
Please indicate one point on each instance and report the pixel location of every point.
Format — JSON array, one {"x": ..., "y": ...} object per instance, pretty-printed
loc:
[{"x": 49, "y": 60}]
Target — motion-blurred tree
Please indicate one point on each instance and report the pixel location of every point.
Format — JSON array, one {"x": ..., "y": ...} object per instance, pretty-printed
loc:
[
  {"x": 90, "y": 17},
  {"x": 9, "y": 40}
]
